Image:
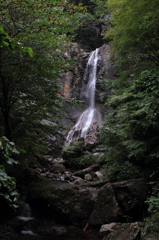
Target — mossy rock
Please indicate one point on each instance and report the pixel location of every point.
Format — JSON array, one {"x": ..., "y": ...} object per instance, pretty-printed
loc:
[
  {"x": 75, "y": 150},
  {"x": 80, "y": 163}
]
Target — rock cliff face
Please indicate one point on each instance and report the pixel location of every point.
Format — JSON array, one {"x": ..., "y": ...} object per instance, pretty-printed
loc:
[
  {"x": 74, "y": 85},
  {"x": 72, "y": 80}
]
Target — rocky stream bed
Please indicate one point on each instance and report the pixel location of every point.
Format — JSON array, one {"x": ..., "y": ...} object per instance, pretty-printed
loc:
[{"x": 59, "y": 203}]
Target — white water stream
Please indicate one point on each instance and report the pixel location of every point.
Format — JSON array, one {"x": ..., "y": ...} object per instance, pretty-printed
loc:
[
  {"x": 24, "y": 212},
  {"x": 84, "y": 122}
]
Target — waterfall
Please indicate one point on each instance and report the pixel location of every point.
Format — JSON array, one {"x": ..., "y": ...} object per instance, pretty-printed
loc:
[
  {"x": 24, "y": 212},
  {"x": 84, "y": 122}
]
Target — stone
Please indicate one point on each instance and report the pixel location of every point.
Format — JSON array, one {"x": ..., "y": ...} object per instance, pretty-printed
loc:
[
  {"x": 88, "y": 177},
  {"x": 38, "y": 170},
  {"x": 78, "y": 180},
  {"x": 120, "y": 231},
  {"x": 82, "y": 173},
  {"x": 106, "y": 69},
  {"x": 106, "y": 229},
  {"x": 93, "y": 167},
  {"x": 74, "y": 150},
  {"x": 96, "y": 154},
  {"x": 60, "y": 230},
  {"x": 131, "y": 195},
  {"x": 61, "y": 201},
  {"x": 44, "y": 170},
  {"x": 58, "y": 168},
  {"x": 106, "y": 208},
  {"x": 99, "y": 175},
  {"x": 120, "y": 200},
  {"x": 79, "y": 173},
  {"x": 50, "y": 175},
  {"x": 59, "y": 160},
  {"x": 43, "y": 174}
]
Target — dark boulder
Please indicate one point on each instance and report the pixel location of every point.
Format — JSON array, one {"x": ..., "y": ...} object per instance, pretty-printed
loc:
[
  {"x": 64, "y": 202},
  {"x": 120, "y": 231},
  {"x": 131, "y": 195},
  {"x": 120, "y": 201},
  {"x": 106, "y": 208}
]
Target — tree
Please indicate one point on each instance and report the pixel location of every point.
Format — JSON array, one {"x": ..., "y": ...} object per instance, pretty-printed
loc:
[
  {"x": 90, "y": 5},
  {"x": 100, "y": 8},
  {"x": 134, "y": 33},
  {"x": 131, "y": 133},
  {"x": 8, "y": 189},
  {"x": 34, "y": 34}
]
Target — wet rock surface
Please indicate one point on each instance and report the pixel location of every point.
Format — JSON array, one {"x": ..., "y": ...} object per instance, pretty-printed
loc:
[
  {"x": 106, "y": 208},
  {"x": 120, "y": 231},
  {"x": 60, "y": 197},
  {"x": 131, "y": 195},
  {"x": 65, "y": 202},
  {"x": 82, "y": 196},
  {"x": 74, "y": 85}
]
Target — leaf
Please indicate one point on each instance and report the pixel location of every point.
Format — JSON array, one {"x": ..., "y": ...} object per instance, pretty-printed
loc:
[
  {"x": 30, "y": 51},
  {"x": 11, "y": 161}
]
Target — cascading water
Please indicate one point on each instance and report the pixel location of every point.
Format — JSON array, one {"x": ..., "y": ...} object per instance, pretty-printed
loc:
[
  {"x": 24, "y": 212},
  {"x": 84, "y": 122}
]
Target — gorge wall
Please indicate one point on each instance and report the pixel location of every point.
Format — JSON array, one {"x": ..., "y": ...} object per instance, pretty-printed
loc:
[{"x": 74, "y": 85}]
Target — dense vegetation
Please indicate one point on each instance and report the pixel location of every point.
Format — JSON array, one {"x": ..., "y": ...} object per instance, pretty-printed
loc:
[
  {"x": 33, "y": 35},
  {"x": 131, "y": 129}
]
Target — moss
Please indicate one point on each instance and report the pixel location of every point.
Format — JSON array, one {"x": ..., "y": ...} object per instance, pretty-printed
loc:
[
  {"x": 76, "y": 155},
  {"x": 75, "y": 150}
]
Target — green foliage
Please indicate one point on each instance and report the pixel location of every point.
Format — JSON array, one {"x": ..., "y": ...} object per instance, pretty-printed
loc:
[
  {"x": 87, "y": 3},
  {"x": 118, "y": 170},
  {"x": 2, "y": 37},
  {"x": 109, "y": 87},
  {"x": 87, "y": 19},
  {"x": 134, "y": 33},
  {"x": 8, "y": 184},
  {"x": 8, "y": 188},
  {"x": 100, "y": 158},
  {"x": 81, "y": 162},
  {"x": 153, "y": 210},
  {"x": 33, "y": 36},
  {"x": 86, "y": 33},
  {"x": 131, "y": 131},
  {"x": 76, "y": 156},
  {"x": 7, "y": 149},
  {"x": 100, "y": 8},
  {"x": 89, "y": 25},
  {"x": 74, "y": 150}
]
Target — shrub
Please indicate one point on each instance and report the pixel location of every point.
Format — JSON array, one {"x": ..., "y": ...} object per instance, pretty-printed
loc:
[
  {"x": 153, "y": 210},
  {"x": 8, "y": 189},
  {"x": 74, "y": 150},
  {"x": 121, "y": 171},
  {"x": 81, "y": 162}
]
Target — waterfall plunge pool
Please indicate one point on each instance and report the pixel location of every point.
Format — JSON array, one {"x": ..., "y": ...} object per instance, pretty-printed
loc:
[{"x": 74, "y": 235}]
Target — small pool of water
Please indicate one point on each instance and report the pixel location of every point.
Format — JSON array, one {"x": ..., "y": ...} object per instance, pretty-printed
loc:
[
  {"x": 88, "y": 235},
  {"x": 24, "y": 237}
]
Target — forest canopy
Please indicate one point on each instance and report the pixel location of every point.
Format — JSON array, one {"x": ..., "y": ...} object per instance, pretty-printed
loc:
[{"x": 134, "y": 33}]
